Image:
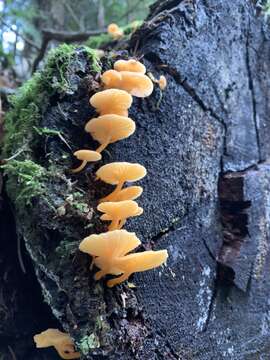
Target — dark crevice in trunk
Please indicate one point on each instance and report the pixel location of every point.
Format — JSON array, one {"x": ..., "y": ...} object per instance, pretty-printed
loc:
[
  {"x": 251, "y": 87},
  {"x": 234, "y": 220}
]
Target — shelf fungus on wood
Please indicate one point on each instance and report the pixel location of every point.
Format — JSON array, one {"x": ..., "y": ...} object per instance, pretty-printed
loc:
[
  {"x": 61, "y": 341},
  {"x": 107, "y": 129},
  {"x": 109, "y": 251},
  {"x": 117, "y": 173},
  {"x": 137, "y": 84},
  {"x": 119, "y": 212},
  {"x": 112, "y": 101},
  {"x": 129, "y": 65}
]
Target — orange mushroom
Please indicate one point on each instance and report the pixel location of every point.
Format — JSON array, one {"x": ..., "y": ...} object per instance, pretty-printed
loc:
[
  {"x": 109, "y": 251},
  {"x": 129, "y": 65},
  {"x": 112, "y": 101},
  {"x": 117, "y": 173},
  {"x": 115, "y": 31},
  {"x": 62, "y": 342},
  {"x": 85, "y": 156},
  {"x": 118, "y": 212},
  {"x": 135, "y": 83},
  {"x": 129, "y": 193},
  {"x": 107, "y": 129}
]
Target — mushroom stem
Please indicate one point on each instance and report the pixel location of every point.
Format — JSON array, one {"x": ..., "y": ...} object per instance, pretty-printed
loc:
[
  {"x": 114, "y": 224},
  {"x": 100, "y": 274},
  {"x": 103, "y": 146},
  {"x": 121, "y": 224},
  {"x": 79, "y": 168},
  {"x": 118, "y": 280},
  {"x": 111, "y": 196}
]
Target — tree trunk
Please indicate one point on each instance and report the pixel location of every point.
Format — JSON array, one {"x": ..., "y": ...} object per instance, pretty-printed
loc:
[{"x": 206, "y": 197}]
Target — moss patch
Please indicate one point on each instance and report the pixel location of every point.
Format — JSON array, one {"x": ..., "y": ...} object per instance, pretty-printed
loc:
[
  {"x": 26, "y": 180},
  {"x": 32, "y": 99}
]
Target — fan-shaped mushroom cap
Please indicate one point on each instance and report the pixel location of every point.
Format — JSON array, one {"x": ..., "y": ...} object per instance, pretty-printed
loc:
[
  {"x": 62, "y": 342},
  {"x": 129, "y": 65},
  {"x": 112, "y": 101},
  {"x": 137, "y": 262},
  {"x": 129, "y": 193},
  {"x": 119, "y": 172},
  {"x": 119, "y": 210},
  {"x": 87, "y": 155},
  {"x": 136, "y": 84},
  {"x": 110, "y": 244},
  {"x": 110, "y": 128}
]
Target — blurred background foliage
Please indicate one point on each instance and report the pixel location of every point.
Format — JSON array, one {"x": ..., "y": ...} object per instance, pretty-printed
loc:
[{"x": 22, "y": 23}]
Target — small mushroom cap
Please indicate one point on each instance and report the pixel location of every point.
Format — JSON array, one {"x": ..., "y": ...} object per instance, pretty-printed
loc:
[
  {"x": 117, "y": 172},
  {"x": 107, "y": 217},
  {"x": 112, "y": 28},
  {"x": 141, "y": 261},
  {"x": 112, "y": 101},
  {"x": 110, "y": 127},
  {"x": 87, "y": 155},
  {"x": 129, "y": 65},
  {"x": 61, "y": 341},
  {"x": 119, "y": 210},
  {"x": 129, "y": 193},
  {"x": 112, "y": 79},
  {"x": 110, "y": 244},
  {"x": 162, "y": 82},
  {"x": 135, "y": 83}
]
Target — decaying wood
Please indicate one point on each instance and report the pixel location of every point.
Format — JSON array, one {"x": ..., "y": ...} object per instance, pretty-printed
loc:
[{"x": 206, "y": 197}]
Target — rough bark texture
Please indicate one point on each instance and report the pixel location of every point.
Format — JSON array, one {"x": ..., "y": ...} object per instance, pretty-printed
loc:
[{"x": 206, "y": 197}]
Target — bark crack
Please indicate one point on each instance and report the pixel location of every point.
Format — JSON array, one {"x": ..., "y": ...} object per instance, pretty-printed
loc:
[{"x": 253, "y": 97}]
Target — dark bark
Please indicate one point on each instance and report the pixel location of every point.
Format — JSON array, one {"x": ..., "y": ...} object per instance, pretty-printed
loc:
[{"x": 206, "y": 197}]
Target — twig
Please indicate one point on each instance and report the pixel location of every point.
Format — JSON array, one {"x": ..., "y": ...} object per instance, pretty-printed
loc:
[
  {"x": 12, "y": 353},
  {"x": 28, "y": 41},
  {"x": 19, "y": 252},
  {"x": 61, "y": 36}
]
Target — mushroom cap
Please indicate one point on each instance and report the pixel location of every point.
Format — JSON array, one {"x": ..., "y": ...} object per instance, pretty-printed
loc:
[
  {"x": 110, "y": 244},
  {"x": 162, "y": 82},
  {"x": 112, "y": 101},
  {"x": 141, "y": 261},
  {"x": 110, "y": 128},
  {"x": 135, "y": 83},
  {"x": 129, "y": 193},
  {"x": 87, "y": 155},
  {"x": 107, "y": 217},
  {"x": 119, "y": 210},
  {"x": 112, "y": 79},
  {"x": 52, "y": 337},
  {"x": 112, "y": 28},
  {"x": 129, "y": 65},
  {"x": 117, "y": 172}
]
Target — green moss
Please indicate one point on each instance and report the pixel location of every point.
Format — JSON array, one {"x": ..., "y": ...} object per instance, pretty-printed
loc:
[
  {"x": 32, "y": 99},
  {"x": 26, "y": 180},
  {"x": 94, "y": 57},
  {"x": 88, "y": 343},
  {"x": 96, "y": 42}
]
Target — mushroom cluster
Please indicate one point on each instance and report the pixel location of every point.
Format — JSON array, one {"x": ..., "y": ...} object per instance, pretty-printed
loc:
[{"x": 110, "y": 251}]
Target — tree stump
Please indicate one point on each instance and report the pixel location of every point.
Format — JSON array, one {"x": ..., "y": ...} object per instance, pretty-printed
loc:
[{"x": 205, "y": 144}]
